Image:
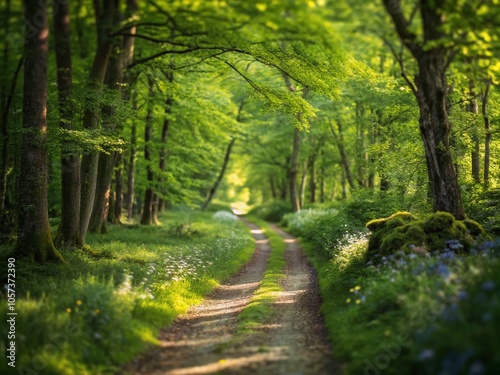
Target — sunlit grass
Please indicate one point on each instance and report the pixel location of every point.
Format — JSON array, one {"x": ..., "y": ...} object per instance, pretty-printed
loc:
[{"x": 258, "y": 311}]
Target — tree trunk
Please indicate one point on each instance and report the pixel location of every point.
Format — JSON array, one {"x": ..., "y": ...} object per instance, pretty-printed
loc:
[
  {"x": 294, "y": 195},
  {"x": 273, "y": 188},
  {"x": 435, "y": 131},
  {"x": 100, "y": 211},
  {"x": 5, "y": 137},
  {"x": 118, "y": 189},
  {"x": 164, "y": 138},
  {"x": 214, "y": 187},
  {"x": 343, "y": 155},
  {"x": 475, "y": 154},
  {"x": 34, "y": 237},
  {"x": 90, "y": 160},
  {"x": 431, "y": 90},
  {"x": 68, "y": 232},
  {"x": 147, "y": 212},
  {"x": 302, "y": 189},
  {"x": 129, "y": 199},
  {"x": 487, "y": 137},
  {"x": 312, "y": 180},
  {"x": 5, "y": 103}
]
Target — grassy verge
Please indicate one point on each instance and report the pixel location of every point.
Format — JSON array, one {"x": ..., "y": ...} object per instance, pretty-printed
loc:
[
  {"x": 108, "y": 302},
  {"x": 259, "y": 309}
]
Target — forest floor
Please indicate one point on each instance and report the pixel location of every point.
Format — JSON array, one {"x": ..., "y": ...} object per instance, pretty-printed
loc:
[{"x": 206, "y": 339}]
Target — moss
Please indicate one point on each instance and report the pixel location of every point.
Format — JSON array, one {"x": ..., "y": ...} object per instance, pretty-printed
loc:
[
  {"x": 402, "y": 216},
  {"x": 474, "y": 228},
  {"x": 438, "y": 222},
  {"x": 401, "y": 230}
]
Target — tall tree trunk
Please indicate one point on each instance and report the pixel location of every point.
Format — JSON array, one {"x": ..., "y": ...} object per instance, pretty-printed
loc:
[
  {"x": 214, "y": 187},
  {"x": 34, "y": 237},
  {"x": 164, "y": 138},
  {"x": 128, "y": 55},
  {"x": 5, "y": 136},
  {"x": 475, "y": 154},
  {"x": 154, "y": 209},
  {"x": 430, "y": 89},
  {"x": 343, "y": 155},
  {"x": 273, "y": 188},
  {"x": 302, "y": 188},
  {"x": 68, "y": 232},
  {"x": 129, "y": 198},
  {"x": 294, "y": 171},
  {"x": 118, "y": 188},
  {"x": 435, "y": 131},
  {"x": 90, "y": 161},
  {"x": 487, "y": 137},
  {"x": 147, "y": 211},
  {"x": 312, "y": 179},
  {"x": 5, "y": 102}
]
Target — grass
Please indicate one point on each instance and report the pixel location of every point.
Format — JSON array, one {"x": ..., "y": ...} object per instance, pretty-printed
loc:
[
  {"x": 108, "y": 302},
  {"x": 259, "y": 310}
]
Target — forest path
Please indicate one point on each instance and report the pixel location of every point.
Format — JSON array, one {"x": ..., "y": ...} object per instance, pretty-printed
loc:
[{"x": 204, "y": 341}]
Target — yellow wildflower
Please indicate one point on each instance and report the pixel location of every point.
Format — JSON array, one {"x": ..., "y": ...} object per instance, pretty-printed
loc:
[
  {"x": 78, "y": 302},
  {"x": 68, "y": 310},
  {"x": 348, "y": 300}
]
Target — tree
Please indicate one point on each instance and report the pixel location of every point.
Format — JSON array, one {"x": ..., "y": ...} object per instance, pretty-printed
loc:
[
  {"x": 70, "y": 157},
  {"x": 430, "y": 89},
  {"x": 34, "y": 236}
]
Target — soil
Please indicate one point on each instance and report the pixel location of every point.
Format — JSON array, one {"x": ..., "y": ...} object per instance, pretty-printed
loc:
[{"x": 204, "y": 341}]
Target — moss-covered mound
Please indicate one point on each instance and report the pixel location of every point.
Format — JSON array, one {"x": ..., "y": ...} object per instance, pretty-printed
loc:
[{"x": 403, "y": 231}]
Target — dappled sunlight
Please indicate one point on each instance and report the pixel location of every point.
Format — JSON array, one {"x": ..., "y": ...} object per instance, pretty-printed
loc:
[{"x": 256, "y": 231}]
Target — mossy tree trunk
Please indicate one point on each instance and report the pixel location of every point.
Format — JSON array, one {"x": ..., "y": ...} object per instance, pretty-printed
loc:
[{"x": 34, "y": 237}]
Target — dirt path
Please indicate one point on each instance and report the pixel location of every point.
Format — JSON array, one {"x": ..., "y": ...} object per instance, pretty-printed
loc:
[{"x": 293, "y": 342}]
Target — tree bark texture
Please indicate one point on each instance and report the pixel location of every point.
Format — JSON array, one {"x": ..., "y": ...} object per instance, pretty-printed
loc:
[
  {"x": 472, "y": 107},
  {"x": 487, "y": 137},
  {"x": 34, "y": 238}
]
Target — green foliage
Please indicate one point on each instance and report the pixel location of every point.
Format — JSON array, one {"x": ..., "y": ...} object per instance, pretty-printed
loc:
[{"x": 109, "y": 301}]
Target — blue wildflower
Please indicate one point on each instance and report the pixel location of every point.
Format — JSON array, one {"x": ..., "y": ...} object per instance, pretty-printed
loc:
[
  {"x": 477, "y": 368},
  {"x": 425, "y": 355},
  {"x": 443, "y": 271},
  {"x": 462, "y": 295},
  {"x": 488, "y": 285}
]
